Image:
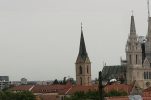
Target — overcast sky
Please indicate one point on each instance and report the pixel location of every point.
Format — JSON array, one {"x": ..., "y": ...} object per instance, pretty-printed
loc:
[{"x": 39, "y": 39}]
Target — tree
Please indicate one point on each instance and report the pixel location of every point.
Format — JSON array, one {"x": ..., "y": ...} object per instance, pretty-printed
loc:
[
  {"x": 116, "y": 93},
  {"x": 91, "y": 95},
  {"x": 55, "y": 81},
  {"x": 64, "y": 80},
  {"x": 25, "y": 95}
]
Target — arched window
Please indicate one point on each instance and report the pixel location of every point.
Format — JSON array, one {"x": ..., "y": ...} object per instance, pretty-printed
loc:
[
  {"x": 80, "y": 80},
  {"x": 87, "y": 69},
  {"x": 80, "y": 70},
  {"x": 147, "y": 74},
  {"x": 144, "y": 75},
  {"x": 130, "y": 59},
  {"x": 136, "y": 59},
  {"x": 62, "y": 98}
]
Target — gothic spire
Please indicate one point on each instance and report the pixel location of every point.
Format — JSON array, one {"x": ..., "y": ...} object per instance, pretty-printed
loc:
[
  {"x": 132, "y": 27},
  {"x": 149, "y": 24},
  {"x": 82, "y": 49},
  {"x": 149, "y": 27}
]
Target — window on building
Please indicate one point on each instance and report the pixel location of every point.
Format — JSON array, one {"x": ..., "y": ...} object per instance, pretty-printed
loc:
[
  {"x": 88, "y": 69},
  {"x": 149, "y": 75},
  {"x": 130, "y": 59},
  {"x": 80, "y": 80},
  {"x": 62, "y": 98},
  {"x": 136, "y": 59},
  {"x": 144, "y": 75},
  {"x": 80, "y": 70}
]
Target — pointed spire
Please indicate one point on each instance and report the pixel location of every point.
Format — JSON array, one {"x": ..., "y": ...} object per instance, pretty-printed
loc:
[
  {"x": 148, "y": 8},
  {"x": 82, "y": 49},
  {"x": 149, "y": 24},
  {"x": 132, "y": 27},
  {"x": 149, "y": 29}
]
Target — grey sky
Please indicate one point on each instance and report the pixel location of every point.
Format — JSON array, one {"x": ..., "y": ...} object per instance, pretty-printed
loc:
[{"x": 39, "y": 39}]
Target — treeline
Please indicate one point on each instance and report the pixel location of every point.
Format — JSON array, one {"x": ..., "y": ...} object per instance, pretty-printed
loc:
[
  {"x": 64, "y": 81},
  {"x": 94, "y": 95},
  {"x": 25, "y": 95}
]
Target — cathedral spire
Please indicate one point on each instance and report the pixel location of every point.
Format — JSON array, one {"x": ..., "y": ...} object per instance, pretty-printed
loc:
[
  {"x": 132, "y": 27},
  {"x": 82, "y": 49},
  {"x": 149, "y": 24}
]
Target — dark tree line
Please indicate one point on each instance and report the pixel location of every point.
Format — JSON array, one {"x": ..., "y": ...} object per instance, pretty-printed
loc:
[
  {"x": 64, "y": 81},
  {"x": 25, "y": 95},
  {"x": 94, "y": 95}
]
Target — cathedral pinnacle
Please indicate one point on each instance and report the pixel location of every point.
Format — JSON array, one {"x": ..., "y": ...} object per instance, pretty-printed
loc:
[
  {"x": 149, "y": 24},
  {"x": 132, "y": 27}
]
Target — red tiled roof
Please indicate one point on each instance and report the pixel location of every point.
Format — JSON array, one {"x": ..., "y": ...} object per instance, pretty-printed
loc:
[
  {"x": 22, "y": 88},
  {"x": 79, "y": 88},
  {"x": 118, "y": 87},
  {"x": 50, "y": 89},
  {"x": 147, "y": 92}
]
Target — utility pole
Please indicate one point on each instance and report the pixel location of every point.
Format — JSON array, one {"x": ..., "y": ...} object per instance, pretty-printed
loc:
[{"x": 101, "y": 94}]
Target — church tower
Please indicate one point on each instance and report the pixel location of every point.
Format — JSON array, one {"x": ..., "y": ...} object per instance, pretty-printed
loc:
[
  {"x": 83, "y": 65},
  {"x": 134, "y": 56},
  {"x": 148, "y": 37}
]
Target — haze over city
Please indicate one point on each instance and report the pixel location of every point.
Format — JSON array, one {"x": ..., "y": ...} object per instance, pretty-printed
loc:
[{"x": 39, "y": 39}]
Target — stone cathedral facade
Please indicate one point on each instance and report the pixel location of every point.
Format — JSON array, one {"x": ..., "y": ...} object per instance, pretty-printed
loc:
[
  {"x": 138, "y": 56},
  {"x": 137, "y": 66},
  {"x": 83, "y": 65}
]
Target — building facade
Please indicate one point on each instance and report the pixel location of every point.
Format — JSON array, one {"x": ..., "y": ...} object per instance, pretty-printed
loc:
[
  {"x": 137, "y": 66},
  {"x": 4, "y": 82},
  {"x": 83, "y": 65},
  {"x": 138, "y": 56}
]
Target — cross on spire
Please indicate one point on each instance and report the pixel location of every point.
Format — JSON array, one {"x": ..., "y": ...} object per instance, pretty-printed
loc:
[
  {"x": 148, "y": 8},
  {"x": 81, "y": 26},
  {"x": 132, "y": 12}
]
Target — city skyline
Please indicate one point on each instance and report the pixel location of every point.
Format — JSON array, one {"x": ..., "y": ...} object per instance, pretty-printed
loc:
[{"x": 39, "y": 40}]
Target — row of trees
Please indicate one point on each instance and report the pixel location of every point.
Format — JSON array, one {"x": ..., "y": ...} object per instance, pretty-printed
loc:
[
  {"x": 94, "y": 95},
  {"x": 64, "y": 81},
  {"x": 8, "y": 95}
]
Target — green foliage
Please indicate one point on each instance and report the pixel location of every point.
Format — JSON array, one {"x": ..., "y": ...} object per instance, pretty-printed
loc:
[
  {"x": 25, "y": 95},
  {"x": 94, "y": 95},
  {"x": 55, "y": 81},
  {"x": 116, "y": 93},
  {"x": 84, "y": 96}
]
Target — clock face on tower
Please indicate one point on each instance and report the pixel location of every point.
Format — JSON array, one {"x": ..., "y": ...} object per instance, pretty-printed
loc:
[{"x": 148, "y": 84}]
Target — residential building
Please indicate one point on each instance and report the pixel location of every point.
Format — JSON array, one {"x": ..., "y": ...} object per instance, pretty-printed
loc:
[{"x": 4, "y": 82}]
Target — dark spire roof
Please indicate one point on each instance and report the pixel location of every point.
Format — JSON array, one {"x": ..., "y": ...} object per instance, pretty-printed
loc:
[
  {"x": 132, "y": 27},
  {"x": 82, "y": 50},
  {"x": 149, "y": 28}
]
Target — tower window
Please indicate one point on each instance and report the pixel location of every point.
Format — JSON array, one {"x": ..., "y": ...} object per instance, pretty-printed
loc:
[
  {"x": 80, "y": 80},
  {"x": 136, "y": 59},
  {"x": 88, "y": 69},
  {"x": 130, "y": 59},
  {"x": 80, "y": 70},
  {"x": 144, "y": 75},
  {"x": 149, "y": 75}
]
